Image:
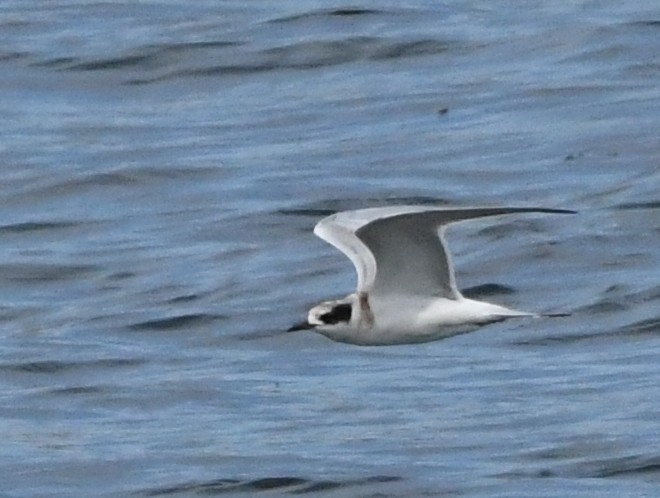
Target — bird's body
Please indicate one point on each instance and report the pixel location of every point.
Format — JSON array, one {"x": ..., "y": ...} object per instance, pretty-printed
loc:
[
  {"x": 406, "y": 289},
  {"x": 414, "y": 320}
]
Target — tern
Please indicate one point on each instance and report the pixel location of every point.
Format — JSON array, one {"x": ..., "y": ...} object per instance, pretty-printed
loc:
[{"x": 406, "y": 287}]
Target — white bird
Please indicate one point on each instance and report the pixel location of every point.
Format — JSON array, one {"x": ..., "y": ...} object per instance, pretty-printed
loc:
[{"x": 406, "y": 288}]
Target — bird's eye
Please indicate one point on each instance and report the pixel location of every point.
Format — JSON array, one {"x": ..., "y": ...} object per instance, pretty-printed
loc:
[{"x": 340, "y": 313}]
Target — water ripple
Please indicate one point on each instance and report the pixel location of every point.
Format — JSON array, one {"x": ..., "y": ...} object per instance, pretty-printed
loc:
[
  {"x": 627, "y": 466},
  {"x": 329, "y": 13},
  {"x": 177, "y": 322},
  {"x": 44, "y": 272},
  {"x": 289, "y": 485},
  {"x": 58, "y": 366},
  {"x": 37, "y": 226},
  {"x": 153, "y": 63}
]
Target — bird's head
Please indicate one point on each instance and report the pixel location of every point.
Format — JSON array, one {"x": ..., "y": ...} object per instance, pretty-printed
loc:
[{"x": 327, "y": 315}]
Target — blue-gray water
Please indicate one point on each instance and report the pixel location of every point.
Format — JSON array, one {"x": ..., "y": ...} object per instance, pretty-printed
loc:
[{"x": 162, "y": 164}]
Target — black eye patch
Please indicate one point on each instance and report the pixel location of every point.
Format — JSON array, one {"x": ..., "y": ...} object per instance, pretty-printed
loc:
[{"x": 340, "y": 313}]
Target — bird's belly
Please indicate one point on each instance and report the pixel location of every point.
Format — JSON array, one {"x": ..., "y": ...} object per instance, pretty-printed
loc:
[
  {"x": 418, "y": 334},
  {"x": 432, "y": 321}
]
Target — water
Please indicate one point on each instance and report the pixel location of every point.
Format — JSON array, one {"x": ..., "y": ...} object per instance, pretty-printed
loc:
[{"x": 162, "y": 166}]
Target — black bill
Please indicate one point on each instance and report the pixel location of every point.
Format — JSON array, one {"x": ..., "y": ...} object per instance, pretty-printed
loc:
[{"x": 300, "y": 326}]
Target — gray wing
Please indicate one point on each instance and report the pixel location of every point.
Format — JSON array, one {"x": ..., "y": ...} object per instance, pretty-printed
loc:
[{"x": 400, "y": 249}]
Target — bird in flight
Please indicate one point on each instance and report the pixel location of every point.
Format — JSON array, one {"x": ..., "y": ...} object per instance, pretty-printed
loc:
[{"x": 406, "y": 287}]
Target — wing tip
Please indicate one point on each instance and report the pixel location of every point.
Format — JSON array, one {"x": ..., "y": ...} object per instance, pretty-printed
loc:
[
  {"x": 556, "y": 210},
  {"x": 328, "y": 224},
  {"x": 549, "y": 211}
]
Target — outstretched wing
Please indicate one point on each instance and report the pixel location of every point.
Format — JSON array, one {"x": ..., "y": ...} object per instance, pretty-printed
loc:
[{"x": 400, "y": 249}]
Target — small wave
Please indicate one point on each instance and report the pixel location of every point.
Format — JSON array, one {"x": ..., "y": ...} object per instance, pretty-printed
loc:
[
  {"x": 651, "y": 23},
  {"x": 638, "y": 205},
  {"x": 310, "y": 54},
  {"x": 304, "y": 55},
  {"x": 74, "y": 185},
  {"x": 154, "y": 63},
  {"x": 410, "y": 49},
  {"x": 187, "y": 46},
  {"x": 627, "y": 466},
  {"x": 44, "y": 272},
  {"x": 79, "y": 390},
  {"x": 184, "y": 299},
  {"x": 638, "y": 466},
  {"x": 289, "y": 485},
  {"x": 112, "y": 63},
  {"x": 37, "y": 226},
  {"x": 636, "y": 330},
  {"x": 58, "y": 366},
  {"x": 619, "y": 298},
  {"x": 177, "y": 322},
  {"x": 118, "y": 178},
  {"x": 485, "y": 290},
  {"x": 148, "y": 57},
  {"x": 605, "y": 306},
  {"x": 56, "y": 62},
  {"x": 623, "y": 467},
  {"x": 328, "y": 13},
  {"x": 640, "y": 328},
  {"x": 12, "y": 56},
  {"x": 145, "y": 58}
]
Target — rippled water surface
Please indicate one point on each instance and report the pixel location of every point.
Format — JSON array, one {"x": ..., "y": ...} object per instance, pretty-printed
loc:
[{"x": 162, "y": 165}]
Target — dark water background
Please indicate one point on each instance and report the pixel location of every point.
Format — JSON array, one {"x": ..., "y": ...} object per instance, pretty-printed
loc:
[{"x": 162, "y": 164}]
